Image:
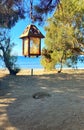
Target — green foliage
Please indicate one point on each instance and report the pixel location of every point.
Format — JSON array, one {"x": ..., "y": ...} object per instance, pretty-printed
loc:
[
  {"x": 6, "y": 49},
  {"x": 72, "y": 61},
  {"x": 10, "y": 12},
  {"x": 64, "y": 35},
  {"x": 48, "y": 65},
  {"x": 42, "y": 8},
  {"x": 47, "y": 61}
]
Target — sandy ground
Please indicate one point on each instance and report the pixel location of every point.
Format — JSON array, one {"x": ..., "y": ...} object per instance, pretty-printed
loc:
[{"x": 62, "y": 110}]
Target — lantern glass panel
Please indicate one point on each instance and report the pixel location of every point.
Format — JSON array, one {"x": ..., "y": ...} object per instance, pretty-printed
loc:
[
  {"x": 34, "y": 45},
  {"x": 25, "y": 46}
]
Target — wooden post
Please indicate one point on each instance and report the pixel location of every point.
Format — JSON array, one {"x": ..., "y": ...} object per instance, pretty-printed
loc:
[{"x": 31, "y": 72}]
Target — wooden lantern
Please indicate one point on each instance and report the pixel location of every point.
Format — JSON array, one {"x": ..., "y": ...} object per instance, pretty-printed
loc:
[{"x": 31, "y": 41}]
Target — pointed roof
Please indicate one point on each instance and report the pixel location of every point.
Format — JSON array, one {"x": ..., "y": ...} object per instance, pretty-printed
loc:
[{"x": 31, "y": 30}]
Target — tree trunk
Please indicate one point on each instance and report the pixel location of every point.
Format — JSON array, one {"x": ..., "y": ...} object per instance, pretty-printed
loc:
[
  {"x": 61, "y": 62},
  {"x": 8, "y": 64}
]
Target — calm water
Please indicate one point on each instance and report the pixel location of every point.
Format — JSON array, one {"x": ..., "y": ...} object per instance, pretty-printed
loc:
[
  {"x": 34, "y": 62},
  {"x": 26, "y": 62}
]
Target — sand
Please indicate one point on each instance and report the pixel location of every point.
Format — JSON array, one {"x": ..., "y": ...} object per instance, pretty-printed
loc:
[{"x": 63, "y": 109}]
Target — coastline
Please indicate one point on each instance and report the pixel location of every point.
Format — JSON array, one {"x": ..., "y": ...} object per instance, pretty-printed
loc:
[
  {"x": 34, "y": 62},
  {"x": 42, "y": 71}
]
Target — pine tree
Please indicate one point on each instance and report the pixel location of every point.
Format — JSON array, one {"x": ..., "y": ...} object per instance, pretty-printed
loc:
[
  {"x": 64, "y": 35},
  {"x": 10, "y": 12}
]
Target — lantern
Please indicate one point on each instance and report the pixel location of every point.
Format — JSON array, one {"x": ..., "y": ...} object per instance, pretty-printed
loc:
[{"x": 31, "y": 41}]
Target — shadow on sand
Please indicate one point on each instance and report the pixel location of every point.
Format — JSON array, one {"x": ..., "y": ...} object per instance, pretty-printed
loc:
[{"x": 60, "y": 111}]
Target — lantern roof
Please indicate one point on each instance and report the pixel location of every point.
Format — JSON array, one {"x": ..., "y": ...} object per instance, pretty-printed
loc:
[{"x": 31, "y": 31}]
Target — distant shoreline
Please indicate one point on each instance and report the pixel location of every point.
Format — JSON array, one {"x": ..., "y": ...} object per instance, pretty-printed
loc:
[
  {"x": 42, "y": 71},
  {"x": 29, "y": 63}
]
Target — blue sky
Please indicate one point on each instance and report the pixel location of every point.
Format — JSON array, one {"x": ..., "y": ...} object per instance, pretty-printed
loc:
[{"x": 17, "y": 30}]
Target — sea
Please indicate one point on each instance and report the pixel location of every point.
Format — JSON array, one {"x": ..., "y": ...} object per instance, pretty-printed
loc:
[{"x": 34, "y": 63}]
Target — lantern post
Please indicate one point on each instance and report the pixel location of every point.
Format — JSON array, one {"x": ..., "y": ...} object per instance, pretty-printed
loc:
[{"x": 31, "y": 41}]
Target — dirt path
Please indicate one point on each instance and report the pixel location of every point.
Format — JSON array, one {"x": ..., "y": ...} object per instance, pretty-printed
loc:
[{"x": 62, "y": 110}]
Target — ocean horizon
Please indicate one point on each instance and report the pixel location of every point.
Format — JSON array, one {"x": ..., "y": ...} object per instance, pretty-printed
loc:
[{"x": 34, "y": 63}]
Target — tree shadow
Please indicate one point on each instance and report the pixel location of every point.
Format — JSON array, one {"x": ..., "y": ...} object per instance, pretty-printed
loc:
[
  {"x": 24, "y": 112},
  {"x": 4, "y": 85}
]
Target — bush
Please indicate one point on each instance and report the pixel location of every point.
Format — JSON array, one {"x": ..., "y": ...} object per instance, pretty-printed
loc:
[{"x": 48, "y": 64}]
